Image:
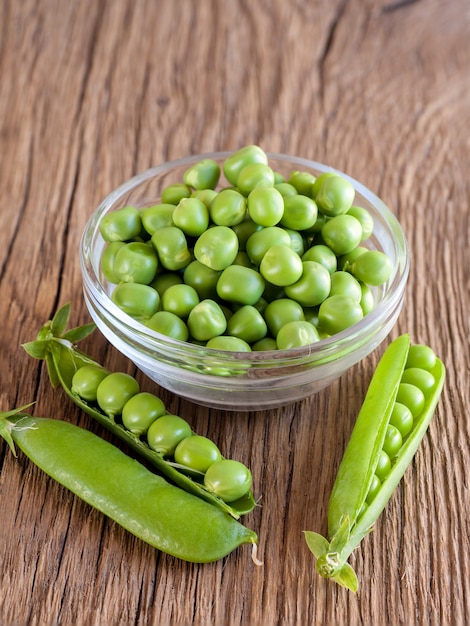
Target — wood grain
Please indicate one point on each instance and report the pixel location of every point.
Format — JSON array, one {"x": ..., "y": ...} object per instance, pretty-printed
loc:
[{"x": 92, "y": 92}]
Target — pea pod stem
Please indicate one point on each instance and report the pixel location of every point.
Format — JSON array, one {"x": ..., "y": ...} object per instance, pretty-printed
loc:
[
  {"x": 349, "y": 520},
  {"x": 56, "y": 345},
  {"x": 161, "y": 514}
]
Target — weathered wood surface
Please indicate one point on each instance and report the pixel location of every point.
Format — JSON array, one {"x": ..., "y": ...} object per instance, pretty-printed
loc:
[{"x": 92, "y": 92}]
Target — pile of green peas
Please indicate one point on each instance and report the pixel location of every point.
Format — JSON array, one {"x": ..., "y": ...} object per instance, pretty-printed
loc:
[
  {"x": 264, "y": 263},
  {"x": 416, "y": 383},
  {"x": 118, "y": 396}
]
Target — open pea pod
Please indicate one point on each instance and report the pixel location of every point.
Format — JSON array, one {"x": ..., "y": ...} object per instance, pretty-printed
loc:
[
  {"x": 354, "y": 506},
  {"x": 56, "y": 346}
]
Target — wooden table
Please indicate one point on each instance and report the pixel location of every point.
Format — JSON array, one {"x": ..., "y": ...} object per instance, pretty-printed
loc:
[{"x": 92, "y": 92}]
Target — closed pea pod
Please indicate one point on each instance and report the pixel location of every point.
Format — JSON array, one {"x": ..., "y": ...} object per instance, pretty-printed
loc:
[
  {"x": 353, "y": 508},
  {"x": 143, "y": 503}
]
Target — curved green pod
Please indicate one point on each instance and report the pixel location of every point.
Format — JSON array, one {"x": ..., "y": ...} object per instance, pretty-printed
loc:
[{"x": 143, "y": 503}]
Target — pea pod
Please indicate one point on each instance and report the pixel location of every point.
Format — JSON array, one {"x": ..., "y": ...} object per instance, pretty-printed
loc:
[
  {"x": 55, "y": 344},
  {"x": 359, "y": 496},
  {"x": 145, "y": 504}
]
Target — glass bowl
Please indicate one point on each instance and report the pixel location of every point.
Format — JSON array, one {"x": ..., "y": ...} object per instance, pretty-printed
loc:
[{"x": 239, "y": 381}]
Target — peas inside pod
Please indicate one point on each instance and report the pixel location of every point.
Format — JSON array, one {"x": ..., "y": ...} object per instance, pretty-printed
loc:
[
  {"x": 143, "y": 414},
  {"x": 242, "y": 235},
  {"x": 141, "y": 419},
  {"x": 398, "y": 407}
]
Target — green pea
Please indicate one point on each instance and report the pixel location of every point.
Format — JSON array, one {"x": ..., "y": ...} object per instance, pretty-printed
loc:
[
  {"x": 300, "y": 212},
  {"x": 322, "y": 254},
  {"x": 342, "y": 234},
  {"x": 135, "y": 262},
  {"x": 173, "y": 194},
  {"x": 228, "y": 479},
  {"x": 286, "y": 189},
  {"x": 240, "y": 284},
  {"x": 384, "y": 465},
  {"x": 267, "y": 343},
  {"x": 302, "y": 181},
  {"x": 138, "y": 301},
  {"x": 335, "y": 196},
  {"x": 156, "y": 217},
  {"x": 345, "y": 260},
  {"x": 242, "y": 258},
  {"x": 372, "y": 267},
  {"x": 197, "y": 453},
  {"x": 337, "y": 313},
  {"x": 206, "y": 320},
  {"x": 192, "y": 216},
  {"x": 373, "y": 489},
  {"x": 265, "y": 206},
  {"x": 421, "y": 356},
  {"x": 248, "y": 324},
  {"x": 365, "y": 218},
  {"x": 320, "y": 179},
  {"x": 260, "y": 241},
  {"x": 162, "y": 281},
  {"x": 166, "y": 432},
  {"x": 254, "y": 175},
  {"x": 313, "y": 286},
  {"x": 234, "y": 163},
  {"x": 121, "y": 225},
  {"x": 180, "y": 300},
  {"x": 86, "y": 379},
  {"x": 244, "y": 230},
  {"x": 107, "y": 260},
  {"x": 402, "y": 418},
  {"x": 281, "y": 266},
  {"x": 204, "y": 195},
  {"x": 202, "y": 175},
  {"x": 298, "y": 242},
  {"x": 140, "y": 411},
  {"x": 421, "y": 378},
  {"x": 345, "y": 284},
  {"x": 296, "y": 334},
  {"x": 367, "y": 301},
  {"x": 412, "y": 397},
  {"x": 279, "y": 312},
  {"x": 168, "y": 324},
  {"x": 393, "y": 441},
  {"x": 172, "y": 248},
  {"x": 114, "y": 391},
  {"x": 202, "y": 278},
  {"x": 217, "y": 247},
  {"x": 228, "y": 208},
  {"x": 227, "y": 342}
]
